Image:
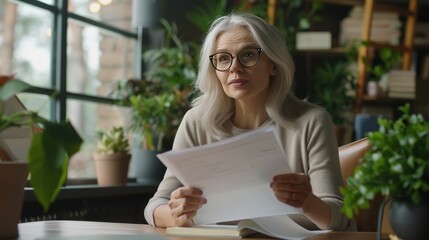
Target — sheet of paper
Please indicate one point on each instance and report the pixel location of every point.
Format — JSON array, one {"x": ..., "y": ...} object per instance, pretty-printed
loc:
[
  {"x": 234, "y": 175},
  {"x": 283, "y": 227}
]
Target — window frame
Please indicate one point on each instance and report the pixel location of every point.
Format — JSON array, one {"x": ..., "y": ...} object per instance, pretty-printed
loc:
[{"x": 58, "y": 74}]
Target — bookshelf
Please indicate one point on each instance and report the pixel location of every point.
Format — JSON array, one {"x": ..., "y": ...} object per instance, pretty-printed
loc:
[
  {"x": 369, "y": 6},
  {"x": 406, "y": 47}
]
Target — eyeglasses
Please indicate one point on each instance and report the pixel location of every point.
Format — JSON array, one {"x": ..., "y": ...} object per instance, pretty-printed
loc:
[{"x": 248, "y": 57}]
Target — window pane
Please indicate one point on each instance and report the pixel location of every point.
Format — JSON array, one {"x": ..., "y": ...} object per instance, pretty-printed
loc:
[
  {"x": 87, "y": 118},
  {"x": 47, "y": 1},
  {"x": 113, "y": 12},
  {"x": 25, "y": 40},
  {"x": 97, "y": 60}
]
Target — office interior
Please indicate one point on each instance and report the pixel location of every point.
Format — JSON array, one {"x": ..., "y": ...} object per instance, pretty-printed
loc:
[{"x": 82, "y": 49}]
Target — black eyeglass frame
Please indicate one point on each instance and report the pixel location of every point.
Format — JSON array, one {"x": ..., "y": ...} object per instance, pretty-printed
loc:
[{"x": 211, "y": 57}]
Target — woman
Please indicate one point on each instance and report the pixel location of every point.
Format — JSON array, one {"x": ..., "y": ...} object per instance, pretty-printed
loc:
[{"x": 245, "y": 78}]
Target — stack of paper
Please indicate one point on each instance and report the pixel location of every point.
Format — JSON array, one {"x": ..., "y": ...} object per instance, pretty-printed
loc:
[{"x": 234, "y": 175}]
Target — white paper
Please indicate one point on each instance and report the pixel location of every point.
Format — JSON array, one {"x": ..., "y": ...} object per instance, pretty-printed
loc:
[
  {"x": 282, "y": 227},
  {"x": 234, "y": 175}
]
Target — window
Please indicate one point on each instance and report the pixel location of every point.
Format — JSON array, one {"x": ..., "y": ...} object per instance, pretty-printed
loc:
[{"x": 80, "y": 52}]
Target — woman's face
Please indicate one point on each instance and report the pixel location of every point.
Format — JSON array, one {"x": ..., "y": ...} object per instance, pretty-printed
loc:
[{"x": 240, "y": 82}]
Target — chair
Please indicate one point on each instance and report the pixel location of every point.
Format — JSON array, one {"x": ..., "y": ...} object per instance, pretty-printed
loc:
[
  {"x": 365, "y": 123},
  {"x": 350, "y": 154}
]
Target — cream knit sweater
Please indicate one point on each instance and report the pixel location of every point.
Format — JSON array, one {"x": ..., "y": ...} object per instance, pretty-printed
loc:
[{"x": 309, "y": 143}]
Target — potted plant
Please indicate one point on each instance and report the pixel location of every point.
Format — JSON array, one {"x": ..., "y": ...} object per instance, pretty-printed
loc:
[
  {"x": 52, "y": 144},
  {"x": 158, "y": 102},
  {"x": 333, "y": 89},
  {"x": 112, "y": 157},
  {"x": 385, "y": 60},
  {"x": 396, "y": 167}
]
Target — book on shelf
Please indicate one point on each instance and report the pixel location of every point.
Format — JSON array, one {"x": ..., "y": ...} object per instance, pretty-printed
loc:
[
  {"x": 358, "y": 12},
  {"x": 313, "y": 40},
  {"x": 281, "y": 227},
  {"x": 402, "y": 84},
  {"x": 408, "y": 91},
  {"x": 404, "y": 95},
  {"x": 356, "y": 23},
  {"x": 401, "y": 81},
  {"x": 385, "y": 27}
]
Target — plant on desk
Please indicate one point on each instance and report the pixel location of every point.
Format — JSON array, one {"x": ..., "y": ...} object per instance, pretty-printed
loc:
[
  {"x": 52, "y": 144},
  {"x": 397, "y": 167},
  {"x": 112, "y": 157}
]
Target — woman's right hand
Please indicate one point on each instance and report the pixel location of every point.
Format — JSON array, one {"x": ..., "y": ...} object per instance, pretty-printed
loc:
[{"x": 184, "y": 204}]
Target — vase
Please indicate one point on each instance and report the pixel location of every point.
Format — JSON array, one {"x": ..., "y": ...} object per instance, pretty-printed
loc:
[
  {"x": 146, "y": 166},
  {"x": 112, "y": 169},
  {"x": 409, "y": 221}
]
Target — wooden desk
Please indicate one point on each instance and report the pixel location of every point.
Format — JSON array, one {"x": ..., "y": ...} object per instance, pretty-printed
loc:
[{"x": 78, "y": 229}]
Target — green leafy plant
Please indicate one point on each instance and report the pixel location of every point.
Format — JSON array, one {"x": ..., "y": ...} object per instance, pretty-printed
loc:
[
  {"x": 333, "y": 89},
  {"x": 386, "y": 59},
  {"x": 396, "y": 165},
  {"x": 153, "y": 117},
  {"x": 112, "y": 140},
  {"x": 291, "y": 16},
  {"x": 383, "y": 60},
  {"x": 160, "y": 99},
  {"x": 201, "y": 16},
  {"x": 52, "y": 144}
]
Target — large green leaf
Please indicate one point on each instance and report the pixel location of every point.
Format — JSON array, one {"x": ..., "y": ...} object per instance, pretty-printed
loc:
[
  {"x": 48, "y": 158},
  {"x": 65, "y": 134},
  {"x": 10, "y": 88},
  {"x": 48, "y": 166}
]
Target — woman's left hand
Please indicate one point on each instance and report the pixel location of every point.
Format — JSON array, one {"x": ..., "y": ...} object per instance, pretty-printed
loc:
[{"x": 292, "y": 188}]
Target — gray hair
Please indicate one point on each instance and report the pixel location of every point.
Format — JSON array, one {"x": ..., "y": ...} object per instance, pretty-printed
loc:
[{"x": 214, "y": 106}]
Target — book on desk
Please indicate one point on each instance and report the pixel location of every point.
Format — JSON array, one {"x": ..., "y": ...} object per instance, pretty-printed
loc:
[{"x": 280, "y": 226}]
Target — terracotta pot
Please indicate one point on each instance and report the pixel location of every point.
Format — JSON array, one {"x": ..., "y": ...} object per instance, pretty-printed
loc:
[
  {"x": 112, "y": 169},
  {"x": 13, "y": 176}
]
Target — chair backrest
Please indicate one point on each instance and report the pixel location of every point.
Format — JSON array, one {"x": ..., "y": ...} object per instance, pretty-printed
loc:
[{"x": 350, "y": 154}]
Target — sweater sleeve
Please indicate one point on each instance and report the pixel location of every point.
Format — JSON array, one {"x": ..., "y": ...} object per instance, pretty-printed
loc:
[
  {"x": 324, "y": 168},
  {"x": 169, "y": 183},
  {"x": 162, "y": 196}
]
